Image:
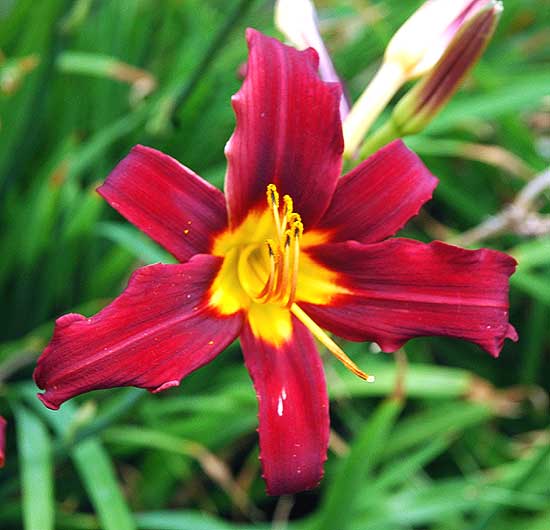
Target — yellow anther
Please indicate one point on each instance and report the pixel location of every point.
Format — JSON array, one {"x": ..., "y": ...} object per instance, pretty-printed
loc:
[
  {"x": 272, "y": 195},
  {"x": 288, "y": 239},
  {"x": 283, "y": 252},
  {"x": 297, "y": 229},
  {"x": 294, "y": 218},
  {"x": 288, "y": 205}
]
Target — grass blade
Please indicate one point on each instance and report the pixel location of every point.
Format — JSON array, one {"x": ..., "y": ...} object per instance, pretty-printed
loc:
[{"x": 35, "y": 457}]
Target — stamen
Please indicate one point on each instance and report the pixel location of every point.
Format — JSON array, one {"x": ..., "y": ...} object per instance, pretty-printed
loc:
[
  {"x": 273, "y": 202},
  {"x": 272, "y": 196},
  {"x": 295, "y": 218},
  {"x": 288, "y": 206},
  {"x": 266, "y": 292},
  {"x": 282, "y": 284},
  {"x": 298, "y": 230},
  {"x": 331, "y": 346}
]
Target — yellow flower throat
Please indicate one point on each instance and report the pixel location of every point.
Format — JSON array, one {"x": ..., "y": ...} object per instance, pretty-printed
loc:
[{"x": 267, "y": 272}]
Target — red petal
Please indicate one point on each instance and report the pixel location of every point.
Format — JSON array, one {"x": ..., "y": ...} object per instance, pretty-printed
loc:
[
  {"x": 379, "y": 196},
  {"x": 288, "y": 132},
  {"x": 155, "y": 333},
  {"x": 167, "y": 201},
  {"x": 3, "y": 424},
  {"x": 293, "y": 409},
  {"x": 404, "y": 289}
]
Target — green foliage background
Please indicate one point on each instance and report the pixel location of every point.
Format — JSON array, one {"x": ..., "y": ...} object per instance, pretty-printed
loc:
[{"x": 469, "y": 446}]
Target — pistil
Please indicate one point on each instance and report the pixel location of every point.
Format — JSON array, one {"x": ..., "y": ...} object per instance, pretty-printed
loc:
[{"x": 330, "y": 345}]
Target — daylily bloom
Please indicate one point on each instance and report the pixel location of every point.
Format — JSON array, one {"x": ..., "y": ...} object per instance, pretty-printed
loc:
[
  {"x": 3, "y": 424},
  {"x": 291, "y": 250},
  {"x": 413, "y": 51}
]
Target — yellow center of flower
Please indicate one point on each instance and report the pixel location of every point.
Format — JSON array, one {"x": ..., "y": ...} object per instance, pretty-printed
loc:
[{"x": 267, "y": 271}]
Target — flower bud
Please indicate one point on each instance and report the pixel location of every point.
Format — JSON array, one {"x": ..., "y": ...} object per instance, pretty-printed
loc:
[
  {"x": 421, "y": 41},
  {"x": 421, "y": 104},
  {"x": 413, "y": 51}
]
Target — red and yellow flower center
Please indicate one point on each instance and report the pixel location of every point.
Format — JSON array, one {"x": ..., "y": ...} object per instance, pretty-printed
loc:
[{"x": 267, "y": 271}]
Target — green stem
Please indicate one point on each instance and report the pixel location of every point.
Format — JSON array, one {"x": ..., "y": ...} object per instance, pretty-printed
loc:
[{"x": 388, "y": 132}]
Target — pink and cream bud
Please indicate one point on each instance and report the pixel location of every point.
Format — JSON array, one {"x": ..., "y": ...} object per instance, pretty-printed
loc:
[
  {"x": 422, "y": 103},
  {"x": 414, "y": 50},
  {"x": 421, "y": 41}
]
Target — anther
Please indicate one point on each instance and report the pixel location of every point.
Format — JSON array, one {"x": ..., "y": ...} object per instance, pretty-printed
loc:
[
  {"x": 298, "y": 230},
  {"x": 272, "y": 195},
  {"x": 288, "y": 205},
  {"x": 294, "y": 218},
  {"x": 273, "y": 202}
]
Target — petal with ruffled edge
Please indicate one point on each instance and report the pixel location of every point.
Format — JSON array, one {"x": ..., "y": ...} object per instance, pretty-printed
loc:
[
  {"x": 400, "y": 289},
  {"x": 293, "y": 409},
  {"x": 171, "y": 204},
  {"x": 156, "y": 332},
  {"x": 288, "y": 132},
  {"x": 297, "y": 19},
  {"x": 3, "y": 424},
  {"x": 379, "y": 196}
]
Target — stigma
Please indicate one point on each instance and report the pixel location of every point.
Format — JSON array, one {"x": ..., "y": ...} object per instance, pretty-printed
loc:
[{"x": 283, "y": 251}]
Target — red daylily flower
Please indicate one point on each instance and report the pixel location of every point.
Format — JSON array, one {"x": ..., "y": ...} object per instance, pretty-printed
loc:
[
  {"x": 3, "y": 424},
  {"x": 276, "y": 270}
]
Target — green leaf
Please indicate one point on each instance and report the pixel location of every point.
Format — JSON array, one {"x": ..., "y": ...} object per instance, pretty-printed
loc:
[
  {"x": 354, "y": 470},
  {"x": 532, "y": 284},
  {"x": 442, "y": 420},
  {"x": 35, "y": 459},
  {"x": 92, "y": 463},
  {"x": 134, "y": 241},
  {"x": 186, "y": 520},
  {"x": 98, "y": 474}
]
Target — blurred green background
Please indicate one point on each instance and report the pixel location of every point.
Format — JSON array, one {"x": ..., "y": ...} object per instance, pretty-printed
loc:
[{"x": 80, "y": 83}]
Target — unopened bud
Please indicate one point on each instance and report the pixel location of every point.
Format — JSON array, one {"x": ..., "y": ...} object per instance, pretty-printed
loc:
[
  {"x": 421, "y": 104},
  {"x": 414, "y": 50},
  {"x": 421, "y": 41}
]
